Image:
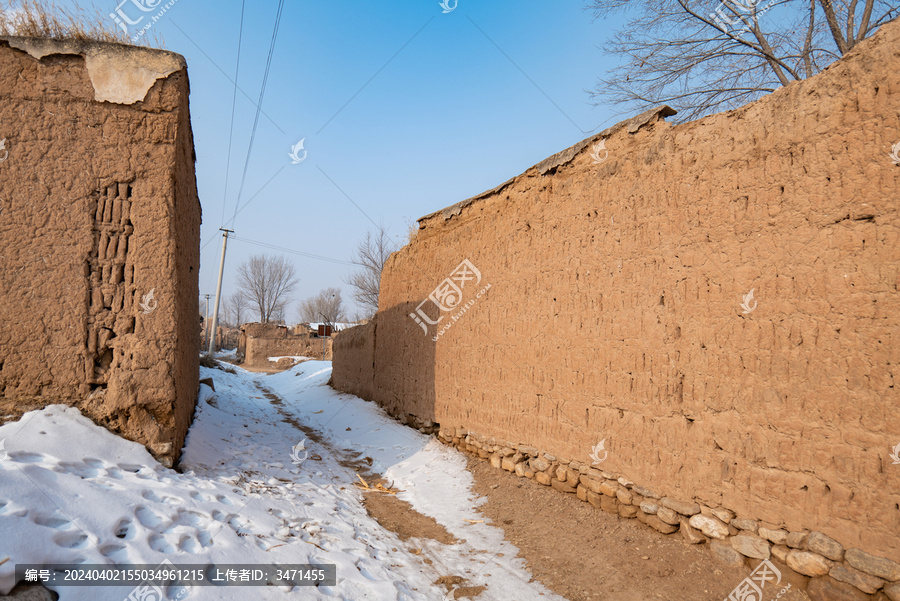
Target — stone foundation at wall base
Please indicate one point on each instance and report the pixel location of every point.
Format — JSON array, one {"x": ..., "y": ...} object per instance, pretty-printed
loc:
[{"x": 807, "y": 560}]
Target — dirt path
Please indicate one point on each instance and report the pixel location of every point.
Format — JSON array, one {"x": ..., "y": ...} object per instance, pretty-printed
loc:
[
  {"x": 381, "y": 503},
  {"x": 588, "y": 555}
]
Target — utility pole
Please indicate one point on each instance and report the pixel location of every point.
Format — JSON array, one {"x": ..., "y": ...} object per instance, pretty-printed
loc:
[
  {"x": 212, "y": 339},
  {"x": 206, "y": 321}
]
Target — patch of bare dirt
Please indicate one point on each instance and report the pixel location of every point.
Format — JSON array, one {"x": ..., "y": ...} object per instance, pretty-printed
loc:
[
  {"x": 381, "y": 503},
  {"x": 585, "y": 554},
  {"x": 399, "y": 517},
  {"x": 263, "y": 369},
  {"x": 456, "y": 587}
]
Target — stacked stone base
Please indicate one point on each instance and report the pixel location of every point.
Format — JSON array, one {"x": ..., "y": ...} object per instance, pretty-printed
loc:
[{"x": 808, "y": 560}]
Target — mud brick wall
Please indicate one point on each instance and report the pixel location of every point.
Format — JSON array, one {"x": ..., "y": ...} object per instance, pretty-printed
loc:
[
  {"x": 615, "y": 313},
  {"x": 354, "y": 360},
  {"x": 99, "y": 236},
  {"x": 258, "y": 342}
]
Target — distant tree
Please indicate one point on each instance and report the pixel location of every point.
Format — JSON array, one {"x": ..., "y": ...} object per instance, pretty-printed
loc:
[
  {"x": 278, "y": 315},
  {"x": 267, "y": 283},
  {"x": 326, "y": 307},
  {"x": 705, "y": 56},
  {"x": 235, "y": 309},
  {"x": 370, "y": 256}
]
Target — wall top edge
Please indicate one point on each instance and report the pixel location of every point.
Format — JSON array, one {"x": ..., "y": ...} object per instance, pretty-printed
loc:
[
  {"x": 631, "y": 125},
  {"x": 120, "y": 73}
]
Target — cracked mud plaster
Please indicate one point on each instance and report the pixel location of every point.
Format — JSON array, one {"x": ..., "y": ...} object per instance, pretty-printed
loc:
[{"x": 120, "y": 73}]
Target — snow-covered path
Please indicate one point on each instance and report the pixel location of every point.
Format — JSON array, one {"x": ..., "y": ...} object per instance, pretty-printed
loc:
[{"x": 70, "y": 492}]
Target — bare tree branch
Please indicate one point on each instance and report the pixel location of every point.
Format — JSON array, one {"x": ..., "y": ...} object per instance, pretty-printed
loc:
[
  {"x": 234, "y": 309},
  {"x": 702, "y": 56},
  {"x": 370, "y": 256},
  {"x": 267, "y": 282},
  {"x": 327, "y": 307}
]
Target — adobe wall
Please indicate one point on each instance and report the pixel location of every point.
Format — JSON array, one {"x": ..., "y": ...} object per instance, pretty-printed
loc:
[
  {"x": 609, "y": 308},
  {"x": 99, "y": 237},
  {"x": 354, "y": 360},
  {"x": 258, "y": 342}
]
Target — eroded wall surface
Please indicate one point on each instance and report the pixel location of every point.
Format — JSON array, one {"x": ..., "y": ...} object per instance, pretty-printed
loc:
[
  {"x": 99, "y": 236},
  {"x": 609, "y": 302}
]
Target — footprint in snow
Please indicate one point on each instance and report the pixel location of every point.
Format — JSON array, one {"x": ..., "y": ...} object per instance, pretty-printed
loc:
[
  {"x": 204, "y": 538},
  {"x": 192, "y": 518},
  {"x": 159, "y": 543},
  {"x": 115, "y": 551},
  {"x": 238, "y": 523},
  {"x": 25, "y": 457},
  {"x": 76, "y": 469},
  {"x": 199, "y": 496},
  {"x": 189, "y": 544},
  {"x": 139, "y": 471},
  {"x": 106, "y": 485},
  {"x": 71, "y": 540},
  {"x": 51, "y": 521},
  {"x": 149, "y": 518},
  {"x": 114, "y": 472},
  {"x": 124, "y": 529},
  {"x": 152, "y": 496}
]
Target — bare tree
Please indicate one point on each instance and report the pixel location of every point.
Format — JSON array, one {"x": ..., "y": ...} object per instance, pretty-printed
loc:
[
  {"x": 267, "y": 283},
  {"x": 705, "y": 56},
  {"x": 326, "y": 307},
  {"x": 235, "y": 309},
  {"x": 370, "y": 256},
  {"x": 278, "y": 315}
]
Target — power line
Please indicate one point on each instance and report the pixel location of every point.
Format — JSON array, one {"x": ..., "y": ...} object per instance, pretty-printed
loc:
[
  {"x": 228, "y": 77},
  {"x": 341, "y": 190},
  {"x": 258, "y": 192},
  {"x": 262, "y": 93},
  {"x": 291, "y": 251},
  {"x": 237, "y": 67}
]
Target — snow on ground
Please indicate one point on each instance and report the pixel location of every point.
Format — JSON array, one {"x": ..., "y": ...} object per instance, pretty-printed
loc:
[
  {"x": 297, "y": 358},
  {"x": 71, "y": 492}
]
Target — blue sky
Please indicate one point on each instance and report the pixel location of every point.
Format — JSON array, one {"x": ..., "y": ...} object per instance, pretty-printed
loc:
[{"x": 404, "y": 109}]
